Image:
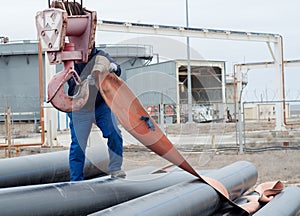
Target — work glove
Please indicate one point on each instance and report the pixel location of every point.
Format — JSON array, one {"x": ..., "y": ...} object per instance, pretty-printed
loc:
[
  {"x": 101, "y": 64},
  {"x": 91, "y": 79},
  {"x": 113, "y": 67}
]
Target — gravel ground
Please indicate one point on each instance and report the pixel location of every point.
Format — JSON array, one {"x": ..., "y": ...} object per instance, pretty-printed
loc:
[{"x": 271, "y": 165}]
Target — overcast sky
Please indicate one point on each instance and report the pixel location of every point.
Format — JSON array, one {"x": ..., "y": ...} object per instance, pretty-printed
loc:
[{"x": 267, "y": 16}]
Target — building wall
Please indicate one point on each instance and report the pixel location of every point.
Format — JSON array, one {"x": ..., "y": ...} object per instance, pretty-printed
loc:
[
  {"x": 154, "y": 84},
  {"x": 166, "y": 83},
  {"x": 19, "y": 82},
  {"x": 19, "y": 85}
]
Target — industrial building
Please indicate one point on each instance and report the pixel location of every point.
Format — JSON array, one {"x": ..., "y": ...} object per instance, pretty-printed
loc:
[
  {"x": 19, "y": 83},
  {"x": 155, "y": 84},
  {"x": 166, "y": 83},
  {"x": 19, "y": 86}
]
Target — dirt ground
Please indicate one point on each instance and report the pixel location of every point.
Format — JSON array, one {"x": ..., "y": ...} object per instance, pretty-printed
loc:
[
  {"x": 271, "y": 165},
  {"x": 283, "y": 165}
]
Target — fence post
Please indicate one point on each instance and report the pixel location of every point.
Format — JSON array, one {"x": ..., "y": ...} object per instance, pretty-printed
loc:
[{"x": 8, "y": 130}]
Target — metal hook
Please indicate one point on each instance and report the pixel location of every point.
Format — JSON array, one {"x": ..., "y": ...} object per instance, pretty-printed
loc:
[{"x": 58, "y": 97}]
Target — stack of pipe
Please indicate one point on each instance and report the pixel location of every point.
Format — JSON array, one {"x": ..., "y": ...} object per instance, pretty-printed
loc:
[
  {"x": 175, "y": 192},
  {"x": 86, "y": 197},
  {"x": 190, "y": 197}
]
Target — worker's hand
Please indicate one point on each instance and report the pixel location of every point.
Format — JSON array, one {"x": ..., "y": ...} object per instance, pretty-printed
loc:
[{"x": 113, "y": 67}]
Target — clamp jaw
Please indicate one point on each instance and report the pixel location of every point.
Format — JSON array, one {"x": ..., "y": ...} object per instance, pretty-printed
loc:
[{"x": 66, "y": 31}]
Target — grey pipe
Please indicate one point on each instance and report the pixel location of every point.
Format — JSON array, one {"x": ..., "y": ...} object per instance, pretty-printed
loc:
[
  {"x": 287, "y": 203},
  {"x": 191, "y": 197},
  {"x": 86, "y": 197},
  {"x": 82, "y": 198},
  {"x": 181, "y": 199},
  {"x": 49, "y": 167}
]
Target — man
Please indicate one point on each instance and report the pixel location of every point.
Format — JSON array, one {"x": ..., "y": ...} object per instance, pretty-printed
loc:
[{"x": 94, "y": 111}]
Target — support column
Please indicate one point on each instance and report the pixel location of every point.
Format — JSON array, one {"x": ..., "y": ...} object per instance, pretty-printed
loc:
[
  {"x": 239, "y": 88},
  {"x": 51, "y": 112},
  {"x": 279, "y": 71},
  {"x": 178, "y": 95}
]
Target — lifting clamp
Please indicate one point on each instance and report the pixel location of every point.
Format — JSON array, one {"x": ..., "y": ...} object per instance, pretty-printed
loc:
[{"x": 66, "y": 32}]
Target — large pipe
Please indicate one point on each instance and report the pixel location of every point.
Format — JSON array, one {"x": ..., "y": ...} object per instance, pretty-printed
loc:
[
  {"x": 49, "y": 167},
  {"x": 86, "y": 197},
  {"x": 191, "y": 197},
  {"x": 286, "y": 203},
  {"x": 82, "y": 198}
]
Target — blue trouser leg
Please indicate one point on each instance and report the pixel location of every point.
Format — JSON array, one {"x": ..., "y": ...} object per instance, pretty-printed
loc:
[
  {"x": 107, "y": 122},
  {"x": 115, "y": 150},
  {"x": 80, "y": 127}
]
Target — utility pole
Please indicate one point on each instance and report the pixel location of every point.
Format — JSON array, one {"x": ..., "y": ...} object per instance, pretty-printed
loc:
[{"x": 189, "y": 78}]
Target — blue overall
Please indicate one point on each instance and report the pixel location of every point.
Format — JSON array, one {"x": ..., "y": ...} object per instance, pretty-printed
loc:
[{"x": 95, "y": 111}]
